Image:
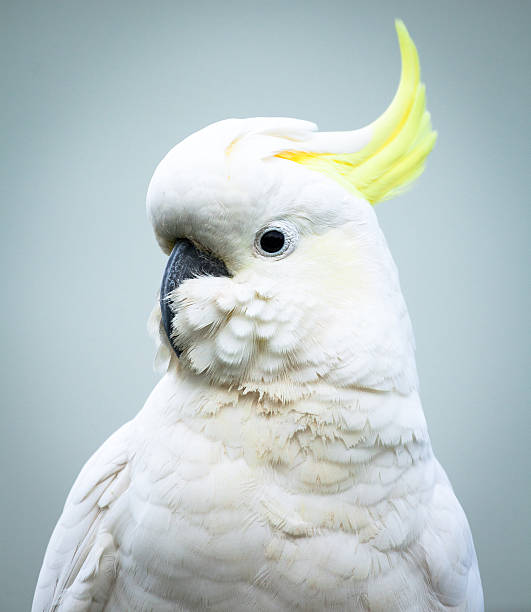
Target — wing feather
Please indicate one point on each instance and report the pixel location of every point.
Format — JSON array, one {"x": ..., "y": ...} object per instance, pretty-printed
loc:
[
  {"x": 449, "y": 552},
  {"x": 79, "y": 561}
]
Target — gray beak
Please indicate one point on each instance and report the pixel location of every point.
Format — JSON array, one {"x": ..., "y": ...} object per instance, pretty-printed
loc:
[{"x": 185, "y": 261}]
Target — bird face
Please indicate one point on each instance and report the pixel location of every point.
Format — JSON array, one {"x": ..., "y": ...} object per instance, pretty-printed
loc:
[{"x": 276, "y": 273}]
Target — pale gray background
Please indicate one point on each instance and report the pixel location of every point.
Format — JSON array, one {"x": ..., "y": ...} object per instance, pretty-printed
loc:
[{"x": 95, "y": 93}]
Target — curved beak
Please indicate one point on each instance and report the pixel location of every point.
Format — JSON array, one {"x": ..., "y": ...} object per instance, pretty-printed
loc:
[{"x": 185, "y": 261}]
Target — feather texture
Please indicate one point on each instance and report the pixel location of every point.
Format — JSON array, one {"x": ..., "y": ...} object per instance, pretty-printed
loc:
[
  {"x": 221, "y": 502},
  {"x": 78, "y": 568}
]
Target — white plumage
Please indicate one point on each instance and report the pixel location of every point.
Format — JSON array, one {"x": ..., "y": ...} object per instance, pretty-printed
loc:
[{"x": 283, "y": 462}]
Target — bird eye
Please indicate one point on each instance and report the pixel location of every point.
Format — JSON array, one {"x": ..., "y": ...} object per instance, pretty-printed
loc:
[
  {"x": 276, "y": 240},
  {"x": 272, "y": 241}
]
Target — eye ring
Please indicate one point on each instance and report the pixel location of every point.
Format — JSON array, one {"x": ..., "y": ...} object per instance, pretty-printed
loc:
[{"x": 277, "y": 239}]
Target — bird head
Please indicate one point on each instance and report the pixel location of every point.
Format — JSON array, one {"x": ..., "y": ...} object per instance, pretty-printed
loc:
[{"x": 278, "y": 275}]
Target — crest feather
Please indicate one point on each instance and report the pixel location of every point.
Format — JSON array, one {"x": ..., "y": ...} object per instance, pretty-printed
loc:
[{"x": 393, "y": 148}]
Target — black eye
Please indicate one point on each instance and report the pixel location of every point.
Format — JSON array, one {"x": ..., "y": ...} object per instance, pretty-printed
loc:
[
  {"x": 277, "y": 239},
  {"x": 272, "y": 241}
]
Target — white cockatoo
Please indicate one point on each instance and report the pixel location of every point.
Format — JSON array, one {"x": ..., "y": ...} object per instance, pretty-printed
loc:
[{"x": 283, "y": 460}]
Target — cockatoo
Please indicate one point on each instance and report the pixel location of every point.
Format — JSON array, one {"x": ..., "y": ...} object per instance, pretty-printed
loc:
[{"x": 283, "y": 461}]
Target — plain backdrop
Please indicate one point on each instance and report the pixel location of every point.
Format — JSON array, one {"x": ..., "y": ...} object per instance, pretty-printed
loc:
[{"x": 95, "y": 93}]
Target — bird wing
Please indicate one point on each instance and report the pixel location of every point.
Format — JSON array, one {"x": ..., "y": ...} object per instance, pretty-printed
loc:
[
  {"x": 450, "y": 555},
  {"x": 79, "y": 564}
]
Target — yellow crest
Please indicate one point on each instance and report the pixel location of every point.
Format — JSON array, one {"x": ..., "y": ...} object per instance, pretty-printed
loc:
[{"x": 393, "y": 148}]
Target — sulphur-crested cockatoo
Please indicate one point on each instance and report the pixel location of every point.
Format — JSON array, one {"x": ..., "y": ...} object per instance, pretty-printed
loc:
[{"x": 283, "y": 461}]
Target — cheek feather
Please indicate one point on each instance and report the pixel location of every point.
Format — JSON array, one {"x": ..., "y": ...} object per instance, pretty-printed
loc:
[
  {"x": 334, "y": 271},
  {"x": 232, "y": 331}
]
